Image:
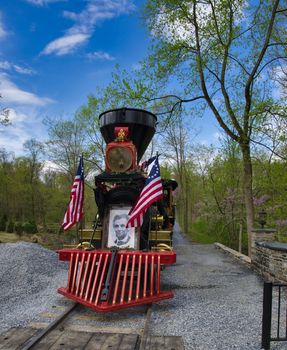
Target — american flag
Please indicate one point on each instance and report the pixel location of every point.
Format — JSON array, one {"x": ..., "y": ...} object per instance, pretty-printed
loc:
[
  {"x": 74, "y": 211},
  {"x": 151, "y": 192},
  {"x": 146, "y": 163}
]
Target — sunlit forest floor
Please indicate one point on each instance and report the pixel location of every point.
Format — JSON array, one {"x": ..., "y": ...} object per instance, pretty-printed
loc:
[{"x": 47, "y": 240}]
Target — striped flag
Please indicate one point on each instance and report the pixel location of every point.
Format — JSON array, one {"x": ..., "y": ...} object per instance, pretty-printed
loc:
[
  {"x": 151, "y": 192},
  {"x": 146, "y": 163},
  {"x": 74, "y": 211}
]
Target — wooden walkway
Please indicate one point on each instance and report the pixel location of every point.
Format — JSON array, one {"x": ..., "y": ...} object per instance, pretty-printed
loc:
[{"x": 57, "y": 339}]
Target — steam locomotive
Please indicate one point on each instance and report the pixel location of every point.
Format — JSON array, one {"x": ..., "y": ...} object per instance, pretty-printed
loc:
[{"x": 116, "y": 267}]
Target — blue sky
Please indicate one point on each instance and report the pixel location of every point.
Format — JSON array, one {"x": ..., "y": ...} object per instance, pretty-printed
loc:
[{"x": 53, "y": 53}]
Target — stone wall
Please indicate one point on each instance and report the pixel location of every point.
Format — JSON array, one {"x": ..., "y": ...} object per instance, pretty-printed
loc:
[{"x": 269, "y": 258}]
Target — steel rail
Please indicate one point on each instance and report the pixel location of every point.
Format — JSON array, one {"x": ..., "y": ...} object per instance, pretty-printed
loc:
[
  {"x": 146, "y": 331},
  {"x": 37, "y": 337}
]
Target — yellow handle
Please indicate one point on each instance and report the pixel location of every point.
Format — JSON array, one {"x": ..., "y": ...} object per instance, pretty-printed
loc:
[
  {"x": 163, "y": 246},
  {"x": 85, "y": 245}
]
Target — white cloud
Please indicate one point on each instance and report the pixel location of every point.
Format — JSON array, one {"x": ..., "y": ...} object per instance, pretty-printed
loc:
[
  {"x": 13, "y": 141},
  {"x": 136, "y": 66},
  {"x": 64, "y": 45},
  {"x": 278, "y": 75},
  {"x": 42, "y": 2},
  {"x": 12, "y": 94},
  {"x": 26, "y": 123},
  {"x": 100, "y": 55},
  {"x": 3, "y": 32},
  {"x": 23, "y": 70},
  {"x": 218, "y": 135},
  {"x": 51, "y": 166},
  {"x": 174, "y": 27},
  {"x": 5, "y": 65},
  {"x": 13, "y": 137},
  {"x": 93, "y": 13},
  {"x": 16, "y": 117}
]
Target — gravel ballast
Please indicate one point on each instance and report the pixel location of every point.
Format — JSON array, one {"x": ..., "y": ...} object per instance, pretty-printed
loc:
[
  {"x": 217, "y": 304},
  {"x": 29, "y": 278}
]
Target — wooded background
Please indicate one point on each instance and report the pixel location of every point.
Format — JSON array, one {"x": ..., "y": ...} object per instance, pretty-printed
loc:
[{"x": 225, "y": 60}]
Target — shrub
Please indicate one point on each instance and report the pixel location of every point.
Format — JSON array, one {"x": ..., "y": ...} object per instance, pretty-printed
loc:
[
  {"x": 35, "y": 239},
  {"x": 10, "y": 227},
  {"x": 18, "y": 227},
  {"x": 3, "y": 222},
  {"x": 30, "y": 227}
]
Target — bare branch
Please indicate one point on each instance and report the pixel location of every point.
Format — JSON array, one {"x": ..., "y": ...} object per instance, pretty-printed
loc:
[
  {"x": 244, "y": 31},
  {"x": 281, "y": 10},
  {"x": 267, "y": 147},
  {"x": 248, "y": 85},
  {"x": 239, "y": 63},
  {"x": 223, "y": 72},
  {"x": 277, "y": 44},
  {"x": 203, "y": 84},
  {"x": 267, "y": 63},
  {"x": 216, "y": 24}
]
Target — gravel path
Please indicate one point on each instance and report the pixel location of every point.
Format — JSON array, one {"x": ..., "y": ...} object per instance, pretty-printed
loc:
[
  {"x": 218, "y": 302},
  {"x": 29, "y": 278}
]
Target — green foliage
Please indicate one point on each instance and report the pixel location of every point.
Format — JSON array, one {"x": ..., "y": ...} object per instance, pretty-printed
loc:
[
  {"x": 18, "y": 228},
  {"x": 3, "y": 222},
  {"x": 10, "y": 226},
  {"x": 201, "y": 233},
  {"x": 30, "y": 227}
]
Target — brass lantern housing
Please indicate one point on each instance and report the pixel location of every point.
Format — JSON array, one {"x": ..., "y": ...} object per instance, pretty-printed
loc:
[{"x": 120, "y": 157}]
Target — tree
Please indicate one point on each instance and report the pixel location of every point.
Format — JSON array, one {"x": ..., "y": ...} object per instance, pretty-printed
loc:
[
  {"x": 4, "y": 115},
  {"x": 88, "y": 116},
  {"x": 68, "y": 140},
  {"x": 219, "y": 53},
  {"x": 34, "y": 149},
  {"x": 175, "y": 148}
]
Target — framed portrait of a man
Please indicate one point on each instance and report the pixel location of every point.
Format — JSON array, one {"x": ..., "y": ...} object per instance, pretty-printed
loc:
[{"x": 118, "y": 234}]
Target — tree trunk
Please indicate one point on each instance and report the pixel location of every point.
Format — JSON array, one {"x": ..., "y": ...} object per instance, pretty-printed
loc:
[
  {"x": 186, "y": 200},
  {"x": 247, "y": 187}
]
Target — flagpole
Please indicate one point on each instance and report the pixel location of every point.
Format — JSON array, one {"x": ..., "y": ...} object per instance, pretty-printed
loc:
[
  {"x": 81, "y": 221},
  {"x": 156, "y": 213},
  {"x": 74, "y": 212}
]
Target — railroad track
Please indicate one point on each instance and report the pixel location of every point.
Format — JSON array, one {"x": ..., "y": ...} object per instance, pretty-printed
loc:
[
  {"x": 40, "y": 335},
  {"x": 79, "y": 328},
  {"x": 37, "y": 338}
]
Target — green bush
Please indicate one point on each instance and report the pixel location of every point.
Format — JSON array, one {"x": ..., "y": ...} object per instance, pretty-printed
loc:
[
  {"x": 18, "y": 227},
  {"x": 3, "y": 223},
  {"x": 202, "y": 233},
  {"x": 10, "y": 227},
  {"x": 30, "y": 227}
]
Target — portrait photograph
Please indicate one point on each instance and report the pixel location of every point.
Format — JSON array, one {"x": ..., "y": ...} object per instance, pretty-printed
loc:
[{"x": 120, "y": 236}]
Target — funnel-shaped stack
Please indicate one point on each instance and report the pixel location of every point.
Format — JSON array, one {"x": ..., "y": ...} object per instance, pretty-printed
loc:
[{"x": 141, "y": 126}]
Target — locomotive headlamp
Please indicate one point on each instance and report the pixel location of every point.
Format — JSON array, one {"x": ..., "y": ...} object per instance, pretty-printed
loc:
[
  {"x": 121, "y": 154},
  {"x": 119, "y": 159}
]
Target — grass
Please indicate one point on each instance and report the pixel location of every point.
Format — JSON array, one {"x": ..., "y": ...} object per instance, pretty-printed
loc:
[
  {"x": 200, "y": 233},
  {"x": 201, "y": 237},
  {"x": 11, "y": 237},
  {"x": 47, "y": 240}
]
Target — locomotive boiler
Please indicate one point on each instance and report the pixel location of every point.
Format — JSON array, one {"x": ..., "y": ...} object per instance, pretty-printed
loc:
[{"x": 116, "y": 266}]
